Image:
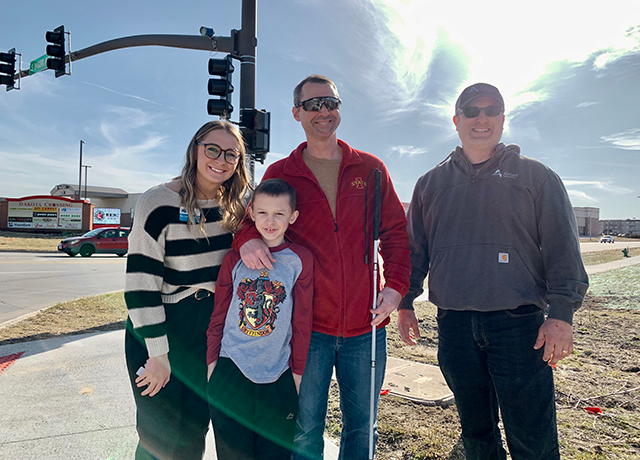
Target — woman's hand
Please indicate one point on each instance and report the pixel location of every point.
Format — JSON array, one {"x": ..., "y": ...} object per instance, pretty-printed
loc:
[{"x": 156, "y": 375}]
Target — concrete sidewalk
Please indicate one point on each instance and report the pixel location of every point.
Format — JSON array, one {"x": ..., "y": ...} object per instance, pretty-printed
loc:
[{"x": 69, "y": 398}]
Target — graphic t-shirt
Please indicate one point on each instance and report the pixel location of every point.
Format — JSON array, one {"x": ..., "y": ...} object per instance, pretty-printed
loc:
[{"x": 262, "y": 318}]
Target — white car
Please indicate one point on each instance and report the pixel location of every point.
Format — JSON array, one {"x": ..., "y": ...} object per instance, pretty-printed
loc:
[{"x": 606, "y": 239}]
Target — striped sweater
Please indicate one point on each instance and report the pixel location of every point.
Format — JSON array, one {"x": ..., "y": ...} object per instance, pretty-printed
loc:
[{"x": 167, "y": 261}]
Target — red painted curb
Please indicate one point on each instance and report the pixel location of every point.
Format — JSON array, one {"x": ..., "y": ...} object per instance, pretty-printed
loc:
[{"x": 7, "y": 361}]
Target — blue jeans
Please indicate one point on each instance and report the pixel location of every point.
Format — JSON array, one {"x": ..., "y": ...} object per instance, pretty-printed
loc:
[
  {"x": 488, "y": 361},
  {"x": 352, "y": 360}
]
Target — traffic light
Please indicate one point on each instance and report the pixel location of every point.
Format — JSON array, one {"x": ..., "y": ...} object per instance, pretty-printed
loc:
[
  {"x": 220, "y": 87},
  {"x": 255, "y": 125},
  {"x": 8, "y": 68},
  {"x": 55, "y": 50}
]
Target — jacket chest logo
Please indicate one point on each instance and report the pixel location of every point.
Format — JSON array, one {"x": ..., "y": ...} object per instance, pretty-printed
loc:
[
  {"x": 358, "y": 183},
  {"x": 505, "y": 174}
]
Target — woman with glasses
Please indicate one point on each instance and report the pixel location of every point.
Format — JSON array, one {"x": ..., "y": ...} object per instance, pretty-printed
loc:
[{"x": 181, "y": 233}]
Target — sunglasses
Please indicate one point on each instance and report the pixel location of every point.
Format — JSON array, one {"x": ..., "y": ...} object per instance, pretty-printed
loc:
[
  {"x": 473, "y": 112},
  {"x": 214, "y": 151},
  {"x": 315, "y": 103}
]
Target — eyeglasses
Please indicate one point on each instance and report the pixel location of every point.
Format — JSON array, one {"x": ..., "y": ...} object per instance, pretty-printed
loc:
[
  {"x": 315, "y": 103},
  {"x": 214, "y": 151},
  {"x": 473, "y": 112}
]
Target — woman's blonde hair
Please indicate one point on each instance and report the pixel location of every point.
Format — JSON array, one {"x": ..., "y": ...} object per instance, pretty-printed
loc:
[{"x": 230, "y": 193}]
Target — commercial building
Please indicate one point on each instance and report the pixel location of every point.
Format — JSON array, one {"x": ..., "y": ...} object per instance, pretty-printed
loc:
[
  {"x": 588, "y": 220},
  {"x": 625, "y": 227},
  {"x": 62, "y": 211}
]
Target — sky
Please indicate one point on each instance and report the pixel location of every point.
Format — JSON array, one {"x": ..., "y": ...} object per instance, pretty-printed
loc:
[{"x": 569, "y": 74}]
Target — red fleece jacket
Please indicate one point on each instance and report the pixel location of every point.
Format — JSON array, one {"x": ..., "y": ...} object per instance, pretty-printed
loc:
[{"x": 343, "y": 293}]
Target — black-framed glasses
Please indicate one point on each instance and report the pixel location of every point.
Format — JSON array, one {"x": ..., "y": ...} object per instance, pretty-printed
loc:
[
  {"x": 214, "y": 151},
  {"x": 315, "y": 103},
  {"x": 490, "y": 111}
]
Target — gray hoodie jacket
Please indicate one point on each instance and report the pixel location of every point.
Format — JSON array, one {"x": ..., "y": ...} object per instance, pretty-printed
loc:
[{"x": 496, "y": 238}]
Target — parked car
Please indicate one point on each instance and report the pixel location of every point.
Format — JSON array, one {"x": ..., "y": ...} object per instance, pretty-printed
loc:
[
  {"x": 606, "y": 239},
  {"x": 105, "y": 240}
]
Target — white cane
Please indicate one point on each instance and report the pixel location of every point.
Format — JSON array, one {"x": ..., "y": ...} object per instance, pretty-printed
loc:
[{"x": 376, "y": 244}]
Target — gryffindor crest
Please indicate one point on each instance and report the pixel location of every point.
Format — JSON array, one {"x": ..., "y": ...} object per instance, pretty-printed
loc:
[{"x": 259, "y": 301}]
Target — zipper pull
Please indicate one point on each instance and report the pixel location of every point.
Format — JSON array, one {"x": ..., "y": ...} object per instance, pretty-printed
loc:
[{"x": 335, "y": 222}]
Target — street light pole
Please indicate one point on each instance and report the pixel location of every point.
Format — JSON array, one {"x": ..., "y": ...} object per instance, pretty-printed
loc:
[
  {"x": 80, "y": 174},
  {"x": 247, "y": 43},
  {"x": 86, "y": 167}
]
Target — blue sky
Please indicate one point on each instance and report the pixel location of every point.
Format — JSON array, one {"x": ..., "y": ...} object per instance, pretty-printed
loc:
[{"x": 570, "y": 76}]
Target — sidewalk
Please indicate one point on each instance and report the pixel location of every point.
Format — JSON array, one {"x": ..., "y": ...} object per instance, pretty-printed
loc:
[{"x": 69, "y": 398}]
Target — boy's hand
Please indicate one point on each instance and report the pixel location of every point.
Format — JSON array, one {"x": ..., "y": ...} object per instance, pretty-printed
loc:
[
  {"x": 256, "y": 255},
  {"x": 156, "y": 375},
  {"x": 210, "y": 369},
  {"x": 297, "y": 379}
]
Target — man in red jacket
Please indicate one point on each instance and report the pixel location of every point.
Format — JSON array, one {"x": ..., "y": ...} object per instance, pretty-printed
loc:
[{"x": 330, "y": 179}]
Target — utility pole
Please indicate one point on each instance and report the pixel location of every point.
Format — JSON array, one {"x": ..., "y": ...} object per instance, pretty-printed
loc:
[{"x": 80, "y": 175}]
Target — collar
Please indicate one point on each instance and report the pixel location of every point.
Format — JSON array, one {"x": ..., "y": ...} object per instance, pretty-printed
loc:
[{"x": 294, "y": 164}]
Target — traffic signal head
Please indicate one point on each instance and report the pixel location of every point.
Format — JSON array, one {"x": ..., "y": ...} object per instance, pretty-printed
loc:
[
  {"x": 255, "y": 126},
  {"x": 8, "y": 68},
  {"x": 56, "y": 51},
  {"x": 221, "y": 87}
]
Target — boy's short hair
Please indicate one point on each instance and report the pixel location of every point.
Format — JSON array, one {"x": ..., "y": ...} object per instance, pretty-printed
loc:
[{"x": 277, "y": 187}]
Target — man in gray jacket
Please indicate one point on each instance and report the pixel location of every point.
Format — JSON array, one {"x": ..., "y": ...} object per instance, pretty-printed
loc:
[{"x": 496, "y": 233}]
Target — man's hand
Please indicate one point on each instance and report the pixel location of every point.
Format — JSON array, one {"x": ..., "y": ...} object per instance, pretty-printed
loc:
[
  {"x": 297, "y": 378},
  {"x": 156, "y": 375},
  {"x": 388, "y": 301},
  {"x": 210, "y": 369},
  {"x": 256, "y": 255},
  {"x": 407, "y": 322},
  {"x": 557, "y": 338}
]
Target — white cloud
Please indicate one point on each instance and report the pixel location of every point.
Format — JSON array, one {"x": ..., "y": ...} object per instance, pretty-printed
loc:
[
  {"x": 581, "y": 195},
  {"x": 508, "y": 46},
  {"x": 408, "y": 150},
  {"x": 626, "y": 140},
  {"x": 583, "y": 105},
  {"x": 603, "y": 186}
]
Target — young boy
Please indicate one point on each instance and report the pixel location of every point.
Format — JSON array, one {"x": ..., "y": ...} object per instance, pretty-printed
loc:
[{"x": 259, "y": 335}]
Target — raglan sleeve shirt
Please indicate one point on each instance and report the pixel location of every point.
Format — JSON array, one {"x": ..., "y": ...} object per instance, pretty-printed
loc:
[
  {"x": 302, "y": 318},
  {"x": 224, "y": 295}
]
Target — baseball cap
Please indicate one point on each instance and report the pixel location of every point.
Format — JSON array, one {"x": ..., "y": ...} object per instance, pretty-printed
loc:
[{"x": 475, "y": 91}]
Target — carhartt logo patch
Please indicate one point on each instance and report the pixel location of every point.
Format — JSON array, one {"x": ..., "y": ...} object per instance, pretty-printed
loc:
[
  {"x": 358, "y": 183},
  {"x": 503, "y": 257}
]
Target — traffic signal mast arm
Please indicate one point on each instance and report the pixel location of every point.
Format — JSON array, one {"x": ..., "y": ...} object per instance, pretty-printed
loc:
[{"x": 193, "y": 42}]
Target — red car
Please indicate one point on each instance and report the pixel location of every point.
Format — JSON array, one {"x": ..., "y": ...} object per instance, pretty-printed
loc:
[{"x": 105, "y": 240}]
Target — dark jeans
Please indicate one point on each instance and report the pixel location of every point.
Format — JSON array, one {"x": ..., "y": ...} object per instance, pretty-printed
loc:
[
  {"x": 488, "y": 361},
  {"x": 252, "y": 421},
  {"x": 173, "y": 423}
]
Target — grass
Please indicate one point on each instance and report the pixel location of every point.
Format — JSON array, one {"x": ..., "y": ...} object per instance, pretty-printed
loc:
[
  {"x": 601, "y": 257},
  {"x": 91, "y": 314}
]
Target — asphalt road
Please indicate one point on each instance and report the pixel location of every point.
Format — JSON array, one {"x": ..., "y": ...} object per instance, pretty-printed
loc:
[
  {"x": 32, "y": 281},
  {"x": 595, "y": 245}
]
